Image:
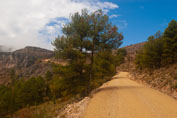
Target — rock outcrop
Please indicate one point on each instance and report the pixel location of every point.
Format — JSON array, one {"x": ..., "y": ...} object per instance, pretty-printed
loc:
[
  {"x": 26, "y": 62},
  {"x": 24, "y": 57}
]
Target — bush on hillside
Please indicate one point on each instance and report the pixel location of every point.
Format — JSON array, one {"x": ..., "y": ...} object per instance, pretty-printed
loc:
[{"x": 160, "y": 49}]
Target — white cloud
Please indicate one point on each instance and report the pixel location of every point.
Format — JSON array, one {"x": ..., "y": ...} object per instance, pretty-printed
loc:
[
  {"x": 114, "y": 16},
  {"x": 28, "y": 22}
]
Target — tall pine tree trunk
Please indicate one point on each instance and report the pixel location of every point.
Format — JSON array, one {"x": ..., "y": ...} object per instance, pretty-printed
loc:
[{"x": 91, "y": 68}]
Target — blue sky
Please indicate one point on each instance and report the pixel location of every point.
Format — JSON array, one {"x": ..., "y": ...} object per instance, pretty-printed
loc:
[
  {"x": 143, "y": 18},
  {"x": 39, "y": 22}
]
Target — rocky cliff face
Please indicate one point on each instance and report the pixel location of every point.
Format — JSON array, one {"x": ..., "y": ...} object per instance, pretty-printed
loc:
[
  {"x": 26, "y": 62},
  {"x": 23, "y": 58}
]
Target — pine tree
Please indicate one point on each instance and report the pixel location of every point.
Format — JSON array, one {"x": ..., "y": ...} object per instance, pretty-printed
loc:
[
  {"x": 170, "y": 43},
  {"x": 84, "y": 37}
]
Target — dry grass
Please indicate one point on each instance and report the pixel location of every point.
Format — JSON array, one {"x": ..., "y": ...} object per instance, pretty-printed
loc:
[{"x": 45, "y": 110}]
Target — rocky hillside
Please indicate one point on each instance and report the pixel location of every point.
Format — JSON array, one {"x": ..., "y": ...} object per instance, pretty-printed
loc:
[
  {"x": 132, "y": 51},
  {"x": 23, "y": 57},
  {"x": 26, "y": 62},
  {"x": 163, "y": 79}
]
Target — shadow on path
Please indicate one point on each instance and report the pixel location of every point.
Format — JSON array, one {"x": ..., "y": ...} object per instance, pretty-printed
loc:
[{"x": 112, "y": 88}]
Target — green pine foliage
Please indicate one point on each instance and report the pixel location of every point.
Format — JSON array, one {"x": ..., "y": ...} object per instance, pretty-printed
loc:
[
  {"x": 160, "y": 49},
  {"x": 170, "y": 43},
  {"x": 86, "y": 43},
  {"x": 120, "y": 56},
  {"x": 104, "y": 64},
  {"x": 5, "y": 99},
  {"x": 21, "y": 94}
]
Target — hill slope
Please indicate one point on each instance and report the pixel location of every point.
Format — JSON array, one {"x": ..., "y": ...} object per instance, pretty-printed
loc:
[
  {"x": 163, "y": 79},
  {"x": 25, "y": 62}
]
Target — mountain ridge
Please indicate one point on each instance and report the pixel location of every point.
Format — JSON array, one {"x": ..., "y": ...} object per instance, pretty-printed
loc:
[{"x": 25, "y": 62}]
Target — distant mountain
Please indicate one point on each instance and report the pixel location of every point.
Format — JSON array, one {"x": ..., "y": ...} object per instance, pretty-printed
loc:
[
  {"x": 23, "y": 57},
  {"x": 26, "y": 62},
  {"x": 35, "y": 52}
]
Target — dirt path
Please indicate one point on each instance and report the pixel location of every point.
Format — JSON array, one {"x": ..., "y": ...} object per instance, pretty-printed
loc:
[{"x": 124, "y": 98}]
